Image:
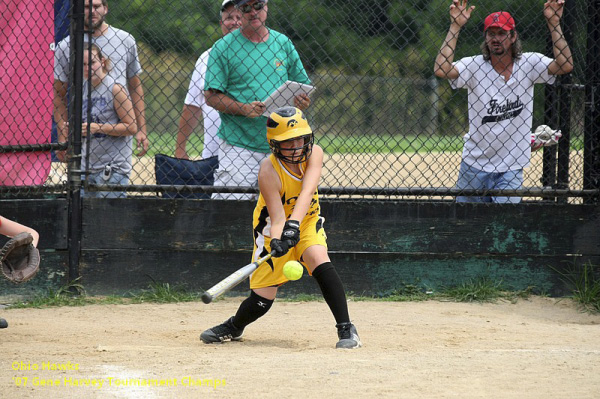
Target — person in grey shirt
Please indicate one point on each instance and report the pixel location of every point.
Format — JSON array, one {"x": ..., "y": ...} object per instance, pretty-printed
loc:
[
  {"x": 120, "y": 47},
  {"x": 107, "y": 144}
]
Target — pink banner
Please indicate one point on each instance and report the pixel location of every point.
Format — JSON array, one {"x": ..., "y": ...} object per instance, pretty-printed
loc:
[{"x": 26, "y": 78}]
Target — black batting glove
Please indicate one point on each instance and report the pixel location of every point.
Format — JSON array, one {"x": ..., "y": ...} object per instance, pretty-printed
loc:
[
  {"x": 279, "y": 247},
  {"x": 291, "y": 232}
]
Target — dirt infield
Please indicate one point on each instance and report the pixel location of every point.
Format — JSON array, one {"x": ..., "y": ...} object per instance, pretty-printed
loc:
[{"x": 537, "y": 348}]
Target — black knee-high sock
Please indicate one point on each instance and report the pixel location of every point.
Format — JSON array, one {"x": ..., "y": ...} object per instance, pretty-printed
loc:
[
  {"x": 333, "y": 291},
  {"x": 251, "y": 309}
]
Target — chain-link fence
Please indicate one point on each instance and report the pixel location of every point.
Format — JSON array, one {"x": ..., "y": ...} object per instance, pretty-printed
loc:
[{"x": 388, "y": 126}]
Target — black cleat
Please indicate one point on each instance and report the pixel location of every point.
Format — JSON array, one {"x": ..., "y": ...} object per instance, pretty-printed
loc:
[
  {"x": 348, "y": 336},
  {"x": 221, "y": 333},
  {"x": 3, "y": 323}
]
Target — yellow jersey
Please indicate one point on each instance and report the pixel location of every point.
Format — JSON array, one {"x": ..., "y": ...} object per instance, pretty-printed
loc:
[
  {"x": 312, "y": 230},
  {"x": 291, "y": 185}
]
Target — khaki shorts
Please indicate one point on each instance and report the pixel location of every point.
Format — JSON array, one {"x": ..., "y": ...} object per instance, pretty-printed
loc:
[{"x": 270, "y": 273}]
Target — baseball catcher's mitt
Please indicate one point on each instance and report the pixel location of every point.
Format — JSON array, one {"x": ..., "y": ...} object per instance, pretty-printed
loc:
[{"x": 20, "y": 259}]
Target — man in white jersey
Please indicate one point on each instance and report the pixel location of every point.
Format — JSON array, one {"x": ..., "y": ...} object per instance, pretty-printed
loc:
[
  {"x": 500, "y": 94},
  {"x": 195, "y": 104},
  {"x": 120, "y": 47}
]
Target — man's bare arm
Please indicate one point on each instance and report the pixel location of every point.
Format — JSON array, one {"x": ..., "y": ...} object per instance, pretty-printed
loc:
[
  {"x": 227, "y": 105},
  {"x": 190, "y": 118},
  {"x": 136, "y": 91},
  {"x": 459, "y": 15},
  {"x": 61, "y": 115},
  {"x": 563, "y": 59}
]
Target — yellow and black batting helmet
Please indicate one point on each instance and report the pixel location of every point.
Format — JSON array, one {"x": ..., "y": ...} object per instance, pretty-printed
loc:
[{"x": 289, "y": 123}]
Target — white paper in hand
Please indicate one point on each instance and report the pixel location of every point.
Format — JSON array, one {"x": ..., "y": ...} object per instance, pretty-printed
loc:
[{"x": 284, "y": 95}]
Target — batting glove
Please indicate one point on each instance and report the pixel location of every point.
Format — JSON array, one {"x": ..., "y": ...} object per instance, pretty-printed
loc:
[
  {"x": 280, "y": 247},
  {"x": 291, "y": 232},
  {"x": 544, "y": 136}
]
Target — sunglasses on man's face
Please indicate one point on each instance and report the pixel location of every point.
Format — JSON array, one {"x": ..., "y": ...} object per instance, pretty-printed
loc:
[{"x": 246, "y": 8}]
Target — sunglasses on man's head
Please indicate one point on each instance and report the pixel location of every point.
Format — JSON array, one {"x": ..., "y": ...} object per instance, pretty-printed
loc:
[{"x": 246, "y": 8}]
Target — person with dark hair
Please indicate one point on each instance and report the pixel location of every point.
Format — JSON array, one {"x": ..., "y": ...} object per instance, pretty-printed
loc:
[
  {"x": 500, "y": 86},
  {"x": 290, "y": 229}
]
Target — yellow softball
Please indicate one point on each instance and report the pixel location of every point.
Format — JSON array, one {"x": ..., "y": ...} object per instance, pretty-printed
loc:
[{"x": 293, "y": 270}]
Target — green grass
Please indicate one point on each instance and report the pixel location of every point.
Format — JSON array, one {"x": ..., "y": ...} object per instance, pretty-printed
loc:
[
  {"x": 483, "y": 289},
  {"x": 389, "y": 144},
  {"x": 165, "y": 293},
  {"x": 165, "y": 144},
  {"x": 475, "y": 290},
  {"x": 404, "y": 292},
  {"x": 584, "y": 283},
  {"x": 72, "y": 294},
  {"x": 480, "y": 290}
]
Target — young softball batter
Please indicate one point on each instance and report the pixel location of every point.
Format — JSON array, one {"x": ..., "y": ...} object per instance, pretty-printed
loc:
[{"x": 287, "y": 221}]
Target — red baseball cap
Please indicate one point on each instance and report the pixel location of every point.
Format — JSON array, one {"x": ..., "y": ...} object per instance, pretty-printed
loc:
[{"x": 500, "y": 19}]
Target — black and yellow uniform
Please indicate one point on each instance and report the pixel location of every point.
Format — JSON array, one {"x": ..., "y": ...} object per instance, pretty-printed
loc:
[
  {"x": 288, "y": 125},
  {"x": 311, "y": 228}
]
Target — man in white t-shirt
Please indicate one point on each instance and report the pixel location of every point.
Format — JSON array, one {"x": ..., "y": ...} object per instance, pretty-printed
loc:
[
  {"x": 500, "y": 93},
  {"x": 195, "y": 104}
]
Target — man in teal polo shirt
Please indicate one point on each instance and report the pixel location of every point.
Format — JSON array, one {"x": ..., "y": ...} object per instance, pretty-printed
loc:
[{"x": 244, "y": 68}]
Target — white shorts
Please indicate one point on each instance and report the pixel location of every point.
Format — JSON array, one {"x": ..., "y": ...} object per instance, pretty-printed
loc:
[{"x": 238, "y": 167}]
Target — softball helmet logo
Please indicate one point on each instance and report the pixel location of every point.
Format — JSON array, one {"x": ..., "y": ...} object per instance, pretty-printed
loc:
[{"x": 292, "y": 122}]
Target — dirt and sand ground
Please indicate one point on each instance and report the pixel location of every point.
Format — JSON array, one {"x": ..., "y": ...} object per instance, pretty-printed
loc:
[{"x": 536, "y": 348}]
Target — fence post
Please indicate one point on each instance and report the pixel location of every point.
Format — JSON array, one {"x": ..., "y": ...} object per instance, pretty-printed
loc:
[
  {"x": 564, "y": 98},
  {"x": 591, "y": 146},
  {"x": 75, "y": 123}
]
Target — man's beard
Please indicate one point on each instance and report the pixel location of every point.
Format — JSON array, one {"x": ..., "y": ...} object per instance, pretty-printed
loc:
[
  {"x": 93, "y": 26},
  {"x": 498, "y": 50}
]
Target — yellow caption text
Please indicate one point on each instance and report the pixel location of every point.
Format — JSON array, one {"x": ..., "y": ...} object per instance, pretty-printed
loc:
[
  {"x": 104, "y": 382},
  {"x": 100, "y": 382}
]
